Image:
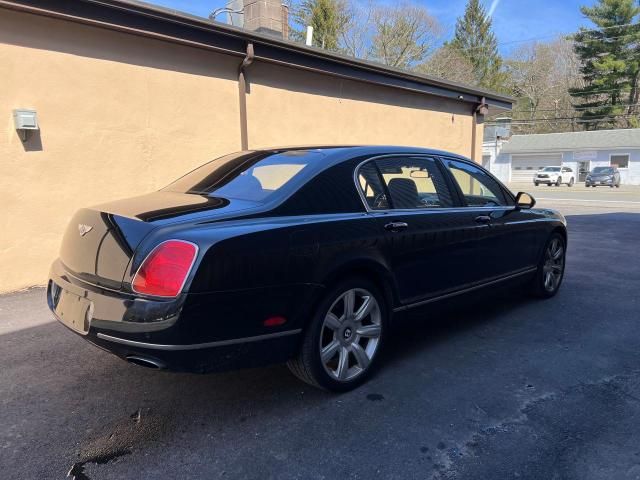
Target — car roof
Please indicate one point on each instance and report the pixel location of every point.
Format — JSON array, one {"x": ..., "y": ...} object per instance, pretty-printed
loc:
[{"x": 335, "y": 154}]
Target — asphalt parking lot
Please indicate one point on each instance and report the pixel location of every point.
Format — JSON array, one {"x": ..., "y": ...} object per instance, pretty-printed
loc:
[{"x": 507, "y": 388}]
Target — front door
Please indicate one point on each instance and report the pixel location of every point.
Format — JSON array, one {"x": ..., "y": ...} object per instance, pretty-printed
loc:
[{"x": 508, "y": 246}]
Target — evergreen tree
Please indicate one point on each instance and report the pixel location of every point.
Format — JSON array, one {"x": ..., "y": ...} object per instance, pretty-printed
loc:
[
  {"x": 329, "y": 19},
  {"x": 610, "y": 57},
  {"x": 475, "y": 39}
]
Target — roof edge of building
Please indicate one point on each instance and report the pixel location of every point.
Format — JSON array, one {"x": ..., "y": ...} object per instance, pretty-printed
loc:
[{"x": 142, "y": 18}]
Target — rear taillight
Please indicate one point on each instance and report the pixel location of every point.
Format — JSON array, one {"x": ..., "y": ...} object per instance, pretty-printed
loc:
[{"x": 164, "y": 271}]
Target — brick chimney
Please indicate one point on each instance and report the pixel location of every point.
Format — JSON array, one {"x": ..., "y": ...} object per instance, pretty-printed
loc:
[{"x": 267, "y": 16}]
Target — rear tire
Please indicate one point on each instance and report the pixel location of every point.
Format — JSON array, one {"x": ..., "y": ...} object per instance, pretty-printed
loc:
[
  {"x": 558, "y": 182},
  {"x": 342, "y": 344},
  {"x": 571, "y": 182},
  {"x": 550, "y": 272},
  {"x": 536, "y": 183}
]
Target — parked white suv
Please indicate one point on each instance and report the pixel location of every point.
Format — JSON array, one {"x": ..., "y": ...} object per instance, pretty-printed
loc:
[{"x": 554, "y": 176}]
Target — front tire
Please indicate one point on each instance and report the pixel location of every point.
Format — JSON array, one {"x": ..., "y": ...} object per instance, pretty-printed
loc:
[
  {"x": 550, "y": 271},
  {"x": 536, "y": 183},
  {"x": 571, "y": 182},
  {"x": 342, "y": 344}
]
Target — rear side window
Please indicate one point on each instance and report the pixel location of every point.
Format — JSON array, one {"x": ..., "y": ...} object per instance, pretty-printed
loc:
[
  {"x": 404, "y": 183},
  {"x": 371, "y": 187},
  {"x": 478, "y": 188}
]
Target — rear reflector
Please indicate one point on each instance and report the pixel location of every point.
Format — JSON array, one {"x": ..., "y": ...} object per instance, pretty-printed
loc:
[
  {"x": 274, "y": 321},
  {"x": 164, "y": 271}
]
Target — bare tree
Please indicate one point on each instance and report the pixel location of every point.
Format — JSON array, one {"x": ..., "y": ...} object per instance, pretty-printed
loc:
[
  {"x": 404, "y": 34},
  {"x": 541, "y": 75},
  {"x": 450, "y": 64},
  {"x": 356, "y": 37}
]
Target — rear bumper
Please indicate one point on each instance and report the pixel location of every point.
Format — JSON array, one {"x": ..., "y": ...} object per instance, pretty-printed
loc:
[{"x": 193, "y": 332}]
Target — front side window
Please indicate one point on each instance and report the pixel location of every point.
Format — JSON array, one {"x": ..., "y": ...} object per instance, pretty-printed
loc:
[
  {"x": 414, "y": 183},
  {"x": 478, "y": 188}
]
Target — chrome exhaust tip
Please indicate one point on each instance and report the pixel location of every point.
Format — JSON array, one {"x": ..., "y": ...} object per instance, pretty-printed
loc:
[{"x": 145, "y": 362}]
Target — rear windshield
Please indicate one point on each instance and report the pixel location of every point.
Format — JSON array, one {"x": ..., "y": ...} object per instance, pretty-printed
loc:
[
  {"x": 251, "y": 176},
  {"x": 603, "y": 170}
]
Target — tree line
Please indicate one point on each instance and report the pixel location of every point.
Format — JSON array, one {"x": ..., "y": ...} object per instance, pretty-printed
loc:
[{"x": 585, "y": 81}]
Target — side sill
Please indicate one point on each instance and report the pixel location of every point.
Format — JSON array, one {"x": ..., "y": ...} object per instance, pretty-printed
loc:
[{"x": 464, "y": 290}]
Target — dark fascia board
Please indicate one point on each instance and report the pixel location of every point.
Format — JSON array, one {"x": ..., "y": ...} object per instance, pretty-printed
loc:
[{"x": 149, "y": 20}]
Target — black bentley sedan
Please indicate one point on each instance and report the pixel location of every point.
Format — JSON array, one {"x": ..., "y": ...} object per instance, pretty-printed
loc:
[{"x": 298, "y": 255}]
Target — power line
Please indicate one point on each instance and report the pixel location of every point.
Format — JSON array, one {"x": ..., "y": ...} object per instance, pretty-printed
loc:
[
  {"x": 567, "y": 109},
  {"x": 567, "y": 119},
  {"x": 588, "y": 92}
]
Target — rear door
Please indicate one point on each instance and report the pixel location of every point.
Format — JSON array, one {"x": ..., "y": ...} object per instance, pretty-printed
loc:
[
  {"x": 430, "y": 243},
  {"x": 508, "y": 243}
]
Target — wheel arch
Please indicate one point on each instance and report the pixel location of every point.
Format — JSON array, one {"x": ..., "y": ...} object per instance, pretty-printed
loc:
[
  {"x": 370, "y": 269},
  {"x": 562, "y": 231}
]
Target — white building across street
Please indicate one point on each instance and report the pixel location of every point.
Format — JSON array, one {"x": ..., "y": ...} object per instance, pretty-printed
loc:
[{"x": 518, "y": 159}]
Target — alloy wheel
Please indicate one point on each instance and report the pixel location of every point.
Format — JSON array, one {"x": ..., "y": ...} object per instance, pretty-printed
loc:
[
  {"x": 350, "y": 334},
  {"x": 553, "y": 268}
]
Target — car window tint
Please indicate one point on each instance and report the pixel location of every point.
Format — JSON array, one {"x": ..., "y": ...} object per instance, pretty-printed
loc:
[
  {"x": 414, "y": 183},
  {"x": 371, "y": 187},
  {"x": 478, "y": 188},
  {"x": 251, "y": 176}
]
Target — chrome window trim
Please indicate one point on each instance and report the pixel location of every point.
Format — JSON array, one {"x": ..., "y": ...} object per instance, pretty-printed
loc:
[
  {"x": 363, "y": 199},
  {"x": 420, "y": 156},
  {"x": 197, "y": 346}
]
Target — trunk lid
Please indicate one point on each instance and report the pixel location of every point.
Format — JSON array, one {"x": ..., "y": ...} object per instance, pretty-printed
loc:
[{"x": 100, "y": 242}]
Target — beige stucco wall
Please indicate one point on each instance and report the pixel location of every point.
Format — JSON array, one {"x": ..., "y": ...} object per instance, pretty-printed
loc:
[
  {"x": 122, "y": 115},
  {"x": 119, "y": 115},
  {"x": 306, "y": 107}
]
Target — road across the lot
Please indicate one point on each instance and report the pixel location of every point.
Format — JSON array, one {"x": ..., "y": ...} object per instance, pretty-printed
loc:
[
  {"x": 579, "y": 199},
  {"x": 507, "y": 388}
]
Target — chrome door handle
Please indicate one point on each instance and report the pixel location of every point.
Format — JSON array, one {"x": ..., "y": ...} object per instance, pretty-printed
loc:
[
  {"x": 396, "y": 226},
  {"x": 483, "y": 219}
]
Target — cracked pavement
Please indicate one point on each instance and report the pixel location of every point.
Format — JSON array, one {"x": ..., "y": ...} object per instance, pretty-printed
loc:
[{"x": 506, "y": 387}]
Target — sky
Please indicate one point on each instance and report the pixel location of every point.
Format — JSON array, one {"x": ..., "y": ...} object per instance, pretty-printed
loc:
[{"x": 514, "y": 21}]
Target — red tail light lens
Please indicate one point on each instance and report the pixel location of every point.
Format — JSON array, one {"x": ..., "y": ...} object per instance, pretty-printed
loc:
[{"x": 165, "y": 269}]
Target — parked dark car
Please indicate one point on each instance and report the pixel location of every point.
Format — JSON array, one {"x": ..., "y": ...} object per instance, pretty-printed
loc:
[
  {"x": 301, "y": 255},
  {"x": 607, "y": 176}
]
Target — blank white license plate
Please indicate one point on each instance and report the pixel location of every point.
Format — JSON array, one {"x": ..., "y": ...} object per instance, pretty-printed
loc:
[{"x": 74, "y": 311}]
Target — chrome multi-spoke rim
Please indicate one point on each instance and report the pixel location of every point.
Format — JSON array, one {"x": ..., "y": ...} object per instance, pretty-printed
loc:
[
  {"x": 350, "y": 334},
  {"x": 553, "y": 265}
]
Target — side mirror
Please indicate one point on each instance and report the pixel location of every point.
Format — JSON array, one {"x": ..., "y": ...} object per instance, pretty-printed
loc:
[{"x": 524, "y": 201}]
